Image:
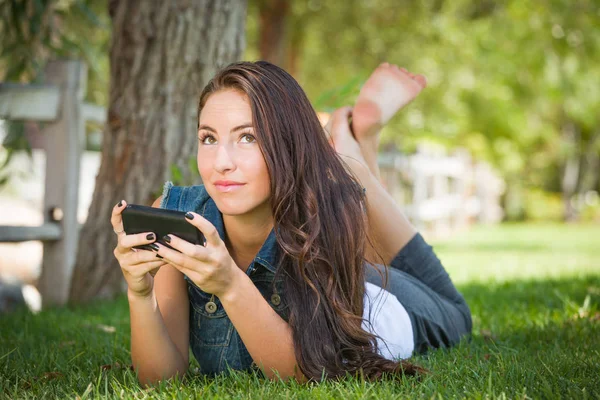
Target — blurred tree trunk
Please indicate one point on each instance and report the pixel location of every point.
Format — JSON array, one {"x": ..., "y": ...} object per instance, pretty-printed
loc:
[
  {"x": 591, "y": 166},
  {"x": 273, "y": 15},
  {"x": 570, "y": 180},
  {"x": 296, "y": 30},
  {"x": 162, "y": 54},
  {"x": 281, "y": 33}
]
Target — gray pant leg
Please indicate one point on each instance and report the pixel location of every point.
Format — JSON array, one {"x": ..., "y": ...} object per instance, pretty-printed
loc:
[{"x": 438, "y": 312}]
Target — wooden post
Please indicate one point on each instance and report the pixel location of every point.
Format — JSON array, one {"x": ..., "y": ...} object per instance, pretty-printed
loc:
[
  {"x": 460, "y": 188},
  {"x": 420, "y": 189},
  {"x": 65, "y": 138},
  {"x": 440, "y": 191}
]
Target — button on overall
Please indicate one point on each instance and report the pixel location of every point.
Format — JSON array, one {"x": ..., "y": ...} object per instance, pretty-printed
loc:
[
  {"x": 214, "y": 341},
  {"x": 211, "y": 307},
  {"x": 275, "y": 299}
]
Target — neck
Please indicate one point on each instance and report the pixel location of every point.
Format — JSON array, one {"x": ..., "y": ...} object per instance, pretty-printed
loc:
[{"x": 245, "y": 235}]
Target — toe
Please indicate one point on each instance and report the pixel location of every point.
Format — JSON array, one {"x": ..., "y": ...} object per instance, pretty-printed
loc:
[{"x": 421, "y": 80}]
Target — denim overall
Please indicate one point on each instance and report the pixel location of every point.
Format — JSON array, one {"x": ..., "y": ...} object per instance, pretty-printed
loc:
[
  {"x": 439, "y": 315},
  {"x": 214, "y": 341}
]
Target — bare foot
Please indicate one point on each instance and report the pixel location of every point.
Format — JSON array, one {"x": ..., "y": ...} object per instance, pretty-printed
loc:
[{"x": 388, "y": 89}]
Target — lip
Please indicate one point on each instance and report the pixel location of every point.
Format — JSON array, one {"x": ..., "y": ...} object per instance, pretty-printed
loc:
[
  {"x": 227, "y": 183},
  {"x": 227, "y": 186}
]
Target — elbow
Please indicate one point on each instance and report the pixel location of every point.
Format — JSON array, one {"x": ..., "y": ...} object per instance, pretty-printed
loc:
[
  {"x": 150, "y": 377},
  {"x": 285, "y": 374}
]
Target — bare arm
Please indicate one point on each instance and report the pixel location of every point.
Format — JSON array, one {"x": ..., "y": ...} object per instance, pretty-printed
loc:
[
  {"x": 160, "y": 327},
  {"x": 267, "y": 336}
]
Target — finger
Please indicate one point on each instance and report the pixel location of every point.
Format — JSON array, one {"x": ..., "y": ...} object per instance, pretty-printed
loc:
[
  {"x": 208, "y": 229},
  {"x": 184, "y": 261},
  {"x": 190, "y": 273},
  {"x": 137, "y": 239},
  {"x": 190, "y": 249},
  {"x": 154, "y": 271},
  {"x": 115, "y": 219},
  {"x": 176, "y": 259},
  {"x": 171, "y": 256},
  {"x": 142, "y": 269},
  {"x": 132, "y": 260},
  {"x": 126, "y": 242}
]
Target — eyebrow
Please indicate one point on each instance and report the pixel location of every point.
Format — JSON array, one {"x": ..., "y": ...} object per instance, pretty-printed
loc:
[{"x": 237, "y": 128}]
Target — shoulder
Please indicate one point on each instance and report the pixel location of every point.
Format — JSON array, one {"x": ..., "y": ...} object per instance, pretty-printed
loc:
[{"x": 182, "y": 198}]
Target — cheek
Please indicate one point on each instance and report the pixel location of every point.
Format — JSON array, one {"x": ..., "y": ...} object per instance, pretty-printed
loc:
[
  {"x": 204, "y": 162},
  {"x": 202, "y": 170},
  {"x": 255, "y": 168}
]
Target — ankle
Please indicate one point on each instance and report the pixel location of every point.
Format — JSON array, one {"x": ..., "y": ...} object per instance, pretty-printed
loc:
[
  {"x": 371, "y": 143},
  {"x": 367, "y": 133},
  {"x": 372, "y": 164}
]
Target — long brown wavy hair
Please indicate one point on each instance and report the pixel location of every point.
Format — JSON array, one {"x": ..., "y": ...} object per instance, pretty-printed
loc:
[{"x": 320, "y": 224}]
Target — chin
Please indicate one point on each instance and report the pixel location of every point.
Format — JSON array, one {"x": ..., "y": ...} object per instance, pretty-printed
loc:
[
  {"x": 240, "y": 206},
  {"x": 233, "y": 211},
  {"x": 233, "y": 206}
]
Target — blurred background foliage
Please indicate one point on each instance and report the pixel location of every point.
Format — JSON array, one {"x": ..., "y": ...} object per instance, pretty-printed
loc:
[{"x": 515, "y": 82}]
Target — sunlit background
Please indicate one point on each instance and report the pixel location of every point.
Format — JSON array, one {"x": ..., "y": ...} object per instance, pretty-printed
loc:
[
  {"x": 507, "y": 130},
  {"x": 497, "y": 163}
]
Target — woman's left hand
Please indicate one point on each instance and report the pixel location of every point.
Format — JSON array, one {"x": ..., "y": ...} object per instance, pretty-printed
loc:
[{"x": 210, "y": 267}]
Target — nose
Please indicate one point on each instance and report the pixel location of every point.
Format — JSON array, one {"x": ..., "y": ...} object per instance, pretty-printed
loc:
[{"x": 223, "y": 160}]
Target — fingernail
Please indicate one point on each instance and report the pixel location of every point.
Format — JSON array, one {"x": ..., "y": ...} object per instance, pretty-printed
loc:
[
  {"x": 159, "y": 256},
  {"x": 154, "y": 246},
  {"x": 150, "y": 236},
  {"x": 189, "y": 215},
  {"x": 167, "y": 239},
  {"x": 120, "y": 203}
]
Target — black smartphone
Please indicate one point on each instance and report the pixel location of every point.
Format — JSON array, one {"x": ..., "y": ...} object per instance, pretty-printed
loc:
[{"x": 139, "y": 219}]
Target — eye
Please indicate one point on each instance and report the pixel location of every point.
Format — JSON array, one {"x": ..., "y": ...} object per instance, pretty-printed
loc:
[
  {"x": 207, "y": 138},
  {"x": 249, "y": 138}
]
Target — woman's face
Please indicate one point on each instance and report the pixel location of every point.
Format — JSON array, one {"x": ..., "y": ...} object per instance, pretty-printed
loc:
[{"x": 230, "y": 161}]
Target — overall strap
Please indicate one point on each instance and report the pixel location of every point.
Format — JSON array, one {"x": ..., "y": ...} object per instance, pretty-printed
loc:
[{"x": 183, "y": 198}]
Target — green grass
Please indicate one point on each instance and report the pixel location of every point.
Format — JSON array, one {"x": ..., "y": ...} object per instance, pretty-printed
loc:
[{"x": 534, "y": 291}]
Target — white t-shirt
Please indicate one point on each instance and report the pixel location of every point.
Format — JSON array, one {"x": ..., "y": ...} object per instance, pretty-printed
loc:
[{"x": 384, "y": 316}]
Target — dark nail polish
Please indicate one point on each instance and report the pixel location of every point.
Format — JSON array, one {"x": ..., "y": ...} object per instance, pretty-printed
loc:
[
  {"x": 189, "y": 216},
  {"x": 154, "y": 246},
  {"x": 150, "y": 236},
  {"x": 159, "y": 256},
  {"x": 120, "y": 203},
  {"x": 167, "y": 239}
]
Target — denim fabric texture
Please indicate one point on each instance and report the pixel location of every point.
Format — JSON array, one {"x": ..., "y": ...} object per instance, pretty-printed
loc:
[
  {"x": 214, "y": 341},
  {"x": 439, "y": 314}
]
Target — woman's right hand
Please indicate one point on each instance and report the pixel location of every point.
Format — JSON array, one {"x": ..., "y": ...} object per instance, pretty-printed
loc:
[{"x": 138, "y": 266}]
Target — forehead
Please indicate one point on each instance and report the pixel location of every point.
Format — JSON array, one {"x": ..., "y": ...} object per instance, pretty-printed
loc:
[{"x": 226, "y": 107}]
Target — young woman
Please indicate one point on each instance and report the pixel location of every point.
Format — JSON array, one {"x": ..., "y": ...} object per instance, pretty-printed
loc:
[{"x": 310, "y": 269}]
